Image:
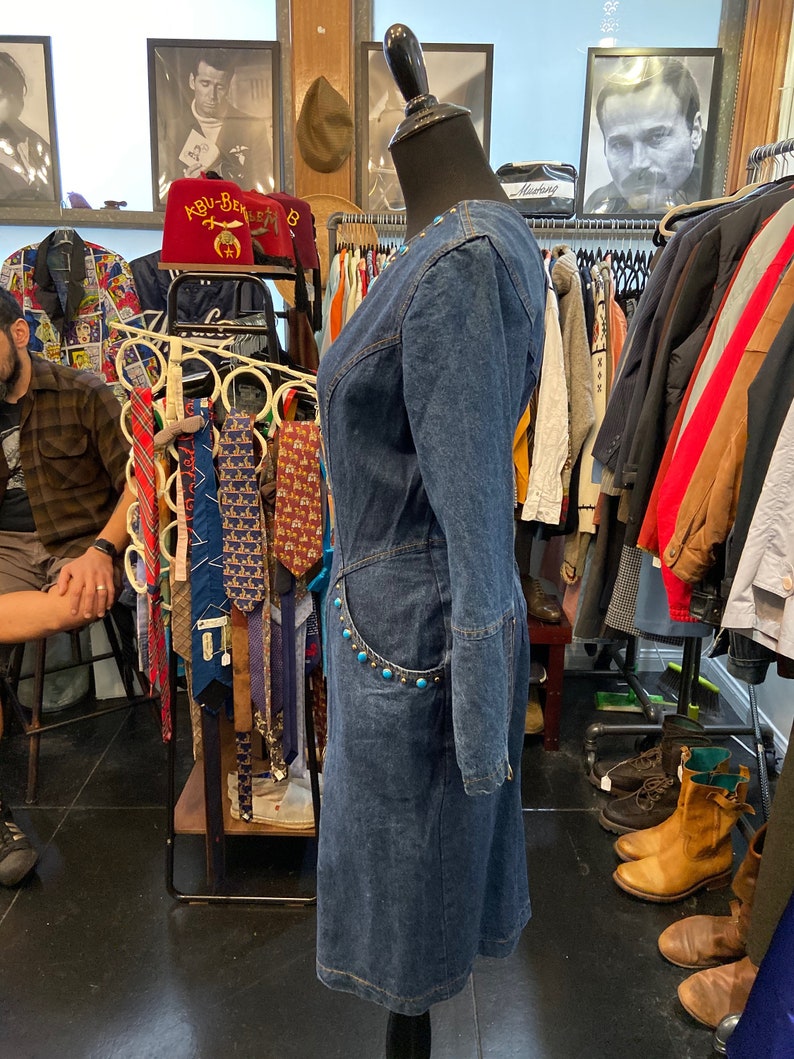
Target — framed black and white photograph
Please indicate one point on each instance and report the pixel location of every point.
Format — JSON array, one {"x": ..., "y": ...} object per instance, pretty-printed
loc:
[
  {"x": 456, "y": 73},
  {"x": 28, "y": 150},
  {"x": 650, "y": 119},
  {"x": 214, "y": 106}
]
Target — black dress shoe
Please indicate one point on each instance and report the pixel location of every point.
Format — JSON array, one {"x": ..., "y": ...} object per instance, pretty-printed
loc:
[{"x": 540, "y": 604}]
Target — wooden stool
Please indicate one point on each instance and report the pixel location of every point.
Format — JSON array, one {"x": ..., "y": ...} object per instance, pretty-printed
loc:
[{"x": 547, "y": 642}]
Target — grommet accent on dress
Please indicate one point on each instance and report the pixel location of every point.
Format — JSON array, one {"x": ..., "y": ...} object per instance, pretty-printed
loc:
[{"x": 364, "y": 654}]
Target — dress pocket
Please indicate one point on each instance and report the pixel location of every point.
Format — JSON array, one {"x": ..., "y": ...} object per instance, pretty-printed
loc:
[{"x": 399, "y": 634}]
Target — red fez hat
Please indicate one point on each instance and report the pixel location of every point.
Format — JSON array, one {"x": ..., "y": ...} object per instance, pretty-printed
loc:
[
  {"x": 299, "y": 217},
  {"x": 270, "y": 229},
  {"x": 206, "y": 224}
]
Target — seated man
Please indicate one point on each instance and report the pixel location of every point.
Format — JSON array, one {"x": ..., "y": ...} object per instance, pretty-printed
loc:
[{"x": 63, "y": 510}]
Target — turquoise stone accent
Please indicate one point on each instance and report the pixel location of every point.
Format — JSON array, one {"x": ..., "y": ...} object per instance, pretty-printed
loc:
[
  {"x": 421, "y": 683},
  {"x": 362, "y": 656},
  {"x": 387, "y": 674},
  {"x": 347, "y": 634},
  {"x": 439, "y": 219},
  {"x": 403, "y": 249},
  {"x": 337, "y": 602}
]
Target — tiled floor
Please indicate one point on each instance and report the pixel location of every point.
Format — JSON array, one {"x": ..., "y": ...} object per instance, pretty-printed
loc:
[{"x": 97, "y": 960}]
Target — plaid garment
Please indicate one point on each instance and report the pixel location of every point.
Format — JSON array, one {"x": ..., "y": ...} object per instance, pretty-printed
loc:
[{"x": 73, "y": 455}]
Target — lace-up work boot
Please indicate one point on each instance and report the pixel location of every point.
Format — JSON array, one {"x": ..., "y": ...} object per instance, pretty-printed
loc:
[
  {"x": 663, "y": 760},
  {"x": 17, "y": 856},
  {"x": 653, "y": 803},
  {"x": 645, "y": 841}
]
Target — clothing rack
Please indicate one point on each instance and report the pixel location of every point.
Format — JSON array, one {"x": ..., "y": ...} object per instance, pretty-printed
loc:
[
  {"x": 770, "y": 161},
  {"x": 766, "y": 162},
  {"x": 392, "y": 225},
  {"x": 203, "y": 796}
]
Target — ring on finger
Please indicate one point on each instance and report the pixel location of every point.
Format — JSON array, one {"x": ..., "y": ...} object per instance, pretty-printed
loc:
[{"x": 101, "y": 588}]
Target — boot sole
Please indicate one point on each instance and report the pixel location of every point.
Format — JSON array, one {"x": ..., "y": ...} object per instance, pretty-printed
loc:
[
  {"x": 716, "y": 882},
  {"x": 616, "y": 829},
  {"x": 701, "y": 966}
]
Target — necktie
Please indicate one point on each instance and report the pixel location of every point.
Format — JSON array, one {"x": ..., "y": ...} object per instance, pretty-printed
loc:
[
  {"x": 298, "y": 540},
  {"x": 148, "y": 505},
  {"x": 210, "y": 656},
  {"x": 244, "y": 580},
  {"x": 297, "y": 546}
]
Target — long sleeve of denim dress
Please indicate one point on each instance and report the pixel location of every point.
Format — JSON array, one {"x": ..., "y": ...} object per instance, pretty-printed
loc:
[{"x": 422, "y": 862}]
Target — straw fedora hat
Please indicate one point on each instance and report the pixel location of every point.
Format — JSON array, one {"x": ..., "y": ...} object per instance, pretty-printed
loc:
[{"x": 324, "y": 206}]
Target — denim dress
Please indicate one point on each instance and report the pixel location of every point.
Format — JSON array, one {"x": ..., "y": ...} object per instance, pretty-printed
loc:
[{"x": 422, "y": 863}]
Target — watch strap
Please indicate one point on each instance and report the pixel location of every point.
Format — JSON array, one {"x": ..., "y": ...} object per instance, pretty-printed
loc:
[{"x": 105, "y": 546}]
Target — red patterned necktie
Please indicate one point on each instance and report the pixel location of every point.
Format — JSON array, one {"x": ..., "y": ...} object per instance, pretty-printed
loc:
[
  {"x": 298, "y": 540},
  {"x": 148, "y": 508}
]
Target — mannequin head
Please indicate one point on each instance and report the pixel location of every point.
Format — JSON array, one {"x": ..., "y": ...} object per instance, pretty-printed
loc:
[{"x": 436, "y": 151}]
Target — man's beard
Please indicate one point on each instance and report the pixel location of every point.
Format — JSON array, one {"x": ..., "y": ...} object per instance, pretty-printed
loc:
[{"x": 7, "y": 385}]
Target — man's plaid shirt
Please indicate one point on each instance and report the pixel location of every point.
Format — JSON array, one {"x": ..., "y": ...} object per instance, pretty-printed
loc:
[{"x": 73, "y": 455}]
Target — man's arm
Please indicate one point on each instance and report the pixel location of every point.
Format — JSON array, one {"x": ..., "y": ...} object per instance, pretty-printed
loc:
[{"x": 89, "y": 578}]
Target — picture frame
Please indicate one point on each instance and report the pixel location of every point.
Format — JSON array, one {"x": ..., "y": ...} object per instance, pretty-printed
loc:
[
  {"x": 29, "y": 168},
  {"x": 659, "y": 107},
  {"x": 456, "y": 73},
  {"x": 223, "y": 118}
]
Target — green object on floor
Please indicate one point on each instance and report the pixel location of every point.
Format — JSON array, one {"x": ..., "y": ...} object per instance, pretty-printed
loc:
[{"x": 624, "y": 702}]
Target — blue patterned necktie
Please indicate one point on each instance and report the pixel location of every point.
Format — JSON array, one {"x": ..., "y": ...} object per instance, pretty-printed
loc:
[
  {"x": 211, "y": 660},
  {"x": 245, "y": 582}
]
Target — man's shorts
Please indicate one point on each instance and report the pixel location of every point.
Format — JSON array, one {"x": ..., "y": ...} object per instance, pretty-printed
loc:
[{"x": 26, "y": 565}]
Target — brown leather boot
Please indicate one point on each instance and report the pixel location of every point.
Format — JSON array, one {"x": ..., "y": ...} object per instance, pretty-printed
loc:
[
  {"x": 701, "y": 853},
  {"x": 710, "y": 995},
  {"x": 646, "y": 842},
  {"x": 627, "y": 776},
  {"x": 707, "y": 941}
]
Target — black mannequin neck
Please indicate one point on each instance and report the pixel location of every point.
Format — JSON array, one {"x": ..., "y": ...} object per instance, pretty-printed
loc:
[{"x": 440, "y": 165}]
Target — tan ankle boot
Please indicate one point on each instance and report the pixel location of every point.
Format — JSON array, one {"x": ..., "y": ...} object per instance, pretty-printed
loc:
[
  {"x": 701, "y": 853},
  {"x": 652, "y": 840},
  {"x": 710, "y": 995},
  {"x": 707, "y": 941}
]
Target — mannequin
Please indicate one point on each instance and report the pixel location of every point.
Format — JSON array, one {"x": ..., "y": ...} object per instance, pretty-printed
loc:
[
  {"x": 436, "y": 151},
  {"x": 440, "y": 161},
  {"x": 421, "y": 862}
]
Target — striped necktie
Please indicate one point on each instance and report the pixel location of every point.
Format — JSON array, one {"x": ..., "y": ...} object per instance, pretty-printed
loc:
[{"x": 149, "y": 513}]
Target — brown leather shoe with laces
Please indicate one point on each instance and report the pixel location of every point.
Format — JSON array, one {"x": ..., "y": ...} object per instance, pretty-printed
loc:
[{"x": 653, "y": 803}]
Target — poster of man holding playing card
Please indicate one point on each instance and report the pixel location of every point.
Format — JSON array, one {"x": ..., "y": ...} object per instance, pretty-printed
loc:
[{"x": 212, "y": 107}]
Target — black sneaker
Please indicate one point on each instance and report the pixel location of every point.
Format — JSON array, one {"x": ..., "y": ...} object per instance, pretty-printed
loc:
[{"x": 17, "y": 856}]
